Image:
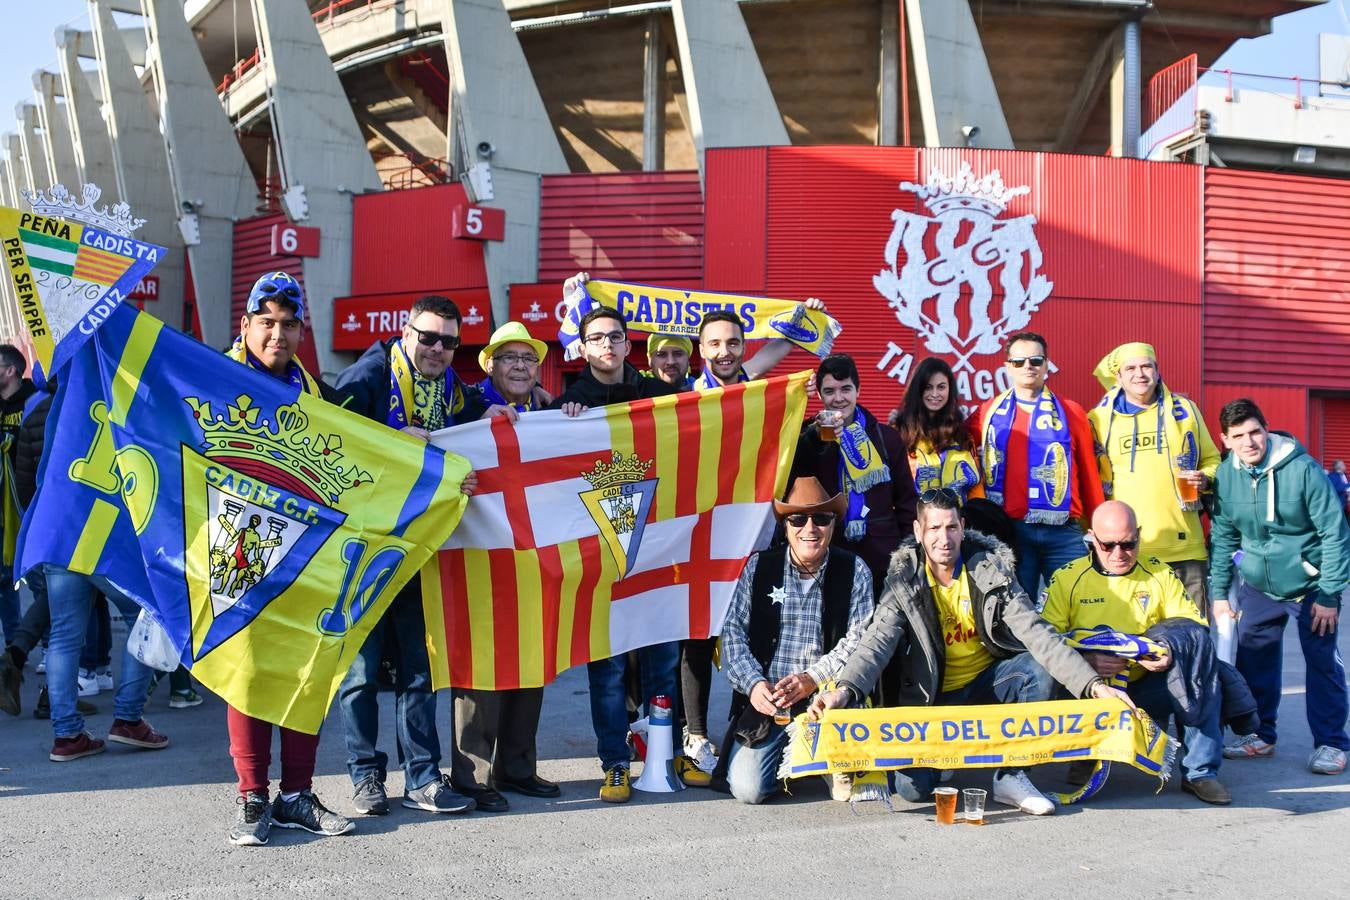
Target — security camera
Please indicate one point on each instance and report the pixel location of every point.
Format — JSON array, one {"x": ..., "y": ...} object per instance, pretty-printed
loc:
[
  {"x": 970, "y": 133},
  {"x": 188, "y": 207},
  {"x": 485, "y": 149}
]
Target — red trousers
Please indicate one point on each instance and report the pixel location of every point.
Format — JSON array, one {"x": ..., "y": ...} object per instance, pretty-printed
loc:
[{"x": 251, "y": 749}]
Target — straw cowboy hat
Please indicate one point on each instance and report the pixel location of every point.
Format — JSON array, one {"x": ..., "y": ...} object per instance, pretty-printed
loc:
[
  {"x": 807, "y": 495},
  {"x": 511, "y": 332}
]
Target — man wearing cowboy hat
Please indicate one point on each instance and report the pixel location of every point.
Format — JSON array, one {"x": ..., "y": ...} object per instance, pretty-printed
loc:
[
  {"x": 796, "y": 615},
  {"x": 954, "y": 628},
  {"x": 1155, "y": 453},
  {"x": 494, "y": 731}
]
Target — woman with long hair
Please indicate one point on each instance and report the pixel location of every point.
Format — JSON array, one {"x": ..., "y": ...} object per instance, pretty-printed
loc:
[{"x": 942, "y": 450}]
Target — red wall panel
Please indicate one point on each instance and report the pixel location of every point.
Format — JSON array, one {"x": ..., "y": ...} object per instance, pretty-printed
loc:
[
  {"x": 401, "y": 241},
  {"x": 1285, "y": 408},
  {"x": 736, "y": 239},
  {"x": 631, "y": 226},
  {"x": 252, "y": 259},
  {"x": 1334, "y": 426},
  {"x": 1276, "y": 279}
]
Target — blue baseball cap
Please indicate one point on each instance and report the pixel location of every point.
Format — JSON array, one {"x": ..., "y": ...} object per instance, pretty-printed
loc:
[{"x": 279, "y": 287}]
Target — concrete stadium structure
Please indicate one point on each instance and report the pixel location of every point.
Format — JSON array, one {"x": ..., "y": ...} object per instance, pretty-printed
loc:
[{"x": 204, "y": 113}]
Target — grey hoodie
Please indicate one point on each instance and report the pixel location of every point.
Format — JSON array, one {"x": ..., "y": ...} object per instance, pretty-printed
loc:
[{"x": 902, "y": 646}]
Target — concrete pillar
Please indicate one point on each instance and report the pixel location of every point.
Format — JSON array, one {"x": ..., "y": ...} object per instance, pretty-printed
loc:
[
  {"x": 61, "y": 165},
  {"x": 500, "y": 119},
  {"x": 730, "y": 104},
  {"x": 654, "y": 97},
  {"x": 888, "y": 84},
  {"x": 322, "y": 155},
  {"x": 211, "y": 178},
  {"x": 88, "y": 133},
  {"x": 956, "y": 90},
  {"x": 18, "y": 170},
  {"x": 6, "y": 191},
  {"x": 34, "y": 155},
  {"x": 139, "y": 160}
]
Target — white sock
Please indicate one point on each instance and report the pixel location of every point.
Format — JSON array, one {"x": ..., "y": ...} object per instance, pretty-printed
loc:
[{"x": 291, "y": 796}]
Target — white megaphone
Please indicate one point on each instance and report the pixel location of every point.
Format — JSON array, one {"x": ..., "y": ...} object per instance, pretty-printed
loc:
[{"x": 658, "y": 767}]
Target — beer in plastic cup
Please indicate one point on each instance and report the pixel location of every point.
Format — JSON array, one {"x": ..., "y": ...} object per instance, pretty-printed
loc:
[
  {"x": 973, "y": 799},
  {"x": 1185, "y": 489},
  {"x": 946, "y": 805},
  {"x": 781, "y": 715}
]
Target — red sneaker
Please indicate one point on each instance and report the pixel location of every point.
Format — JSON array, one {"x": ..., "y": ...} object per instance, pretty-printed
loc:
[
  {"x": 83, "y": 744},
  {"x": 137, "y": 734}
]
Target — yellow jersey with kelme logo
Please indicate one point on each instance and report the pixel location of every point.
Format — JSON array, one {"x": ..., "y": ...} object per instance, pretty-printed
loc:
[{"x": 965, "y": 653}]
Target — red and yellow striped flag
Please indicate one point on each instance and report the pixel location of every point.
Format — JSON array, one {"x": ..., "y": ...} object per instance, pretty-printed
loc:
[
  {"x": 589, "y": 537},
  {"x": 100, "y": 266}
]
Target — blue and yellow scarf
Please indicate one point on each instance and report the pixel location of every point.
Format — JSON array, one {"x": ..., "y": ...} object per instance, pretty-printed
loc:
[
  {"x": 1049, "y": 457},
  {"x": 296, "y": 376},
  {"x": 494, "y": 397},
  {"x": 1177, "y": 429},
  {"x": 429, "y": 403},
  {"x": 951, "y": 467},
  {"x": 706, "y": 380},
  {"x": 860, "y": 470}
]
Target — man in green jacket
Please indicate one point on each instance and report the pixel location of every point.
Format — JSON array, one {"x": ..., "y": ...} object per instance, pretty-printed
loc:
[{"x": 1277, "y": 511}]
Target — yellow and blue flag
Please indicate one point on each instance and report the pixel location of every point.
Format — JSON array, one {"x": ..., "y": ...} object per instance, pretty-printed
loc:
[{"x": 265, "y": 529}]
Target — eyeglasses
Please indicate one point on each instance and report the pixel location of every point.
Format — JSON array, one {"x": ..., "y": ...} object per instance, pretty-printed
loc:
[
  {"x": 931, "y": 495},
  {"x": 432, "y": 338},
  {"x": 615, "y": 338},
  {"x": 1018, "y": 362},
  {"x": 514, "y": 359},
  {"x": 1127, "y": 546},
  {"x": 798, "y": 520}
]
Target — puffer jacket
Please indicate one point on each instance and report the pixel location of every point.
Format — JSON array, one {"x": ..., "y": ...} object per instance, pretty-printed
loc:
[
  {"x": 902, "y": 653},
  {"x": 28, "y": 450}
]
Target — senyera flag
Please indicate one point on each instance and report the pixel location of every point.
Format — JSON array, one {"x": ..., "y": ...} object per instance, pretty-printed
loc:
[
  {"x": 68, "y": 278},
  {"x": 621, "y": 528}
]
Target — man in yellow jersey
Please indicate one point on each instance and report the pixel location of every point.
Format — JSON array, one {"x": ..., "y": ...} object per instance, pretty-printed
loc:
[
  {"x": 955, "y": 628},
  {"x": 1116, "y": 588},
  {"x": 1155, "y": 453}
]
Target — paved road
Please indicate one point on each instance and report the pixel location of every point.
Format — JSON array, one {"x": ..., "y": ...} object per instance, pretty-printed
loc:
[{"x": 153, "y": 824}]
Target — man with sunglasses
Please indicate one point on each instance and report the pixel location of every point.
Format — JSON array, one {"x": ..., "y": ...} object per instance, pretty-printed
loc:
[
  {"x": 1155, "y": 453},
  {"x": 1116, "y": 588},
  {"x": 795, "y": 616},
  {"x": 407, "y": 383},
  {"x": 953, "y": 628},
  {"x": 608, "y": 378},
  {"x": 1039, "y": 463}
]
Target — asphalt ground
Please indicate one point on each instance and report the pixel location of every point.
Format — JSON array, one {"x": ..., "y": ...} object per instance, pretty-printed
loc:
[{"x": 136, "y": 823}]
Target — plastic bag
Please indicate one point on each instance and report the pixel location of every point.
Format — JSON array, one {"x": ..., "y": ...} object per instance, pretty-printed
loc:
[{"x": 151, "y": 644}]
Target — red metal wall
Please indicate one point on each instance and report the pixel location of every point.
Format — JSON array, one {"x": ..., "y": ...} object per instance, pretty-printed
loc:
[
  {"x": 252, "y": 259},
  {"x": 1121, "y": 243},
  {"x": 644, "y": 226},
  {"x": 401, "y": 242},
  {"x": 1333, "y": 421}
]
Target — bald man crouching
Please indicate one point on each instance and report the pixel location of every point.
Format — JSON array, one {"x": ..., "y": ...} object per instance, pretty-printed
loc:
[{"x": 1113, "y": 587}]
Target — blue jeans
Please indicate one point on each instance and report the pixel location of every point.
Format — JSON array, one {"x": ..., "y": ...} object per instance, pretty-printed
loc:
[
  {"x": 9, "y": 602},
  {"x": 70, "y": 596},
  {"x": 419, "y": 747},
  {"x": 1260, "y": 655},
  {"x": 752, "y": 772},
  {"x": 97, "y": 652},
  {"x": 1041, "y": 549},
  {"x": 659, "y": 669},
  {"x": 1018, "y": 679},
  {"x": 1202, "y": 745}
]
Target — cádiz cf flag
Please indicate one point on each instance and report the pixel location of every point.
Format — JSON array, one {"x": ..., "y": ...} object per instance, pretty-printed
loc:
[
  {"x": 591, "y": 536},
  {"x": 264, "y": 529}
]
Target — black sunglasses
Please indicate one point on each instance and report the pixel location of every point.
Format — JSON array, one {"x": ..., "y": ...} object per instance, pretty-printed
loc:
[
  {"x": 945, "y": 493},
  {"x": 1127, "y": 546},
  {"x": 1018, "y": 362},
  {"x": 798, "y": 520},
  {"x": 432, "y": 338}
]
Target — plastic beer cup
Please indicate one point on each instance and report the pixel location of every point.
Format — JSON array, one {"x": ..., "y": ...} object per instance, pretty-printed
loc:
[
  {"x": 946, "y": 805},
  {"x": 973, "y": 799}
]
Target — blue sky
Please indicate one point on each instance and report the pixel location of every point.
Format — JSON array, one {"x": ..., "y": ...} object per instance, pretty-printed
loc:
[{"x": 26, "y": 44}]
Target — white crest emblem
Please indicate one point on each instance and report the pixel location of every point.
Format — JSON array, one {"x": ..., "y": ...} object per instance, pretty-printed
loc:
[{"x": 969, "y": 247}]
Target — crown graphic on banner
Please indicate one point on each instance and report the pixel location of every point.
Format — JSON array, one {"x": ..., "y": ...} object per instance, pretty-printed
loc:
[
  {"x": 943, "y": 192},
  {"x": 59, "y": 202},
  {"x": 619, "y": 470},
  {"x": 283, "y": 453}
]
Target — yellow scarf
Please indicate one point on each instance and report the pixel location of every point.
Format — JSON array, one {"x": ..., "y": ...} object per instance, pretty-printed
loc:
[
  {"x": 1178, "y": 426},
  {"x": 296, "y": 375}
]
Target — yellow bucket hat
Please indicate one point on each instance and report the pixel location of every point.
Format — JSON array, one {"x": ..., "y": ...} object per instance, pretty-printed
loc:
[{"x": 511, "y": 332}]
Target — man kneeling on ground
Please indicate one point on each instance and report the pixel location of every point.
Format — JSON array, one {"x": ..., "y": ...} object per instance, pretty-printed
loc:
[
  {"x": 953, "y": 628},
  {"x": 1114, "y": 588}
]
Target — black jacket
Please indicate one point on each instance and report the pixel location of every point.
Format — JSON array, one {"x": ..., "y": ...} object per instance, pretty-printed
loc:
[
  {"x": 28, "y": 451},
  {"x": 11, "y": 411},
  {"x": 1198, "y": 678},
  {"x": 366, "y": 384},
  {"x": 590, "y": 392}
]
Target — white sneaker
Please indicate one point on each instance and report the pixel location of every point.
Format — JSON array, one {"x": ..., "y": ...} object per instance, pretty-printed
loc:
[
  {"x": 1016, "y": 789},
  {"x": 105, "y": 679},
  {"x": 88, "y": 681},
  {"x": 41, "y": 667},
  {"x": 1327, "y": 760},
  {"x": 701, "y": 751}
]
